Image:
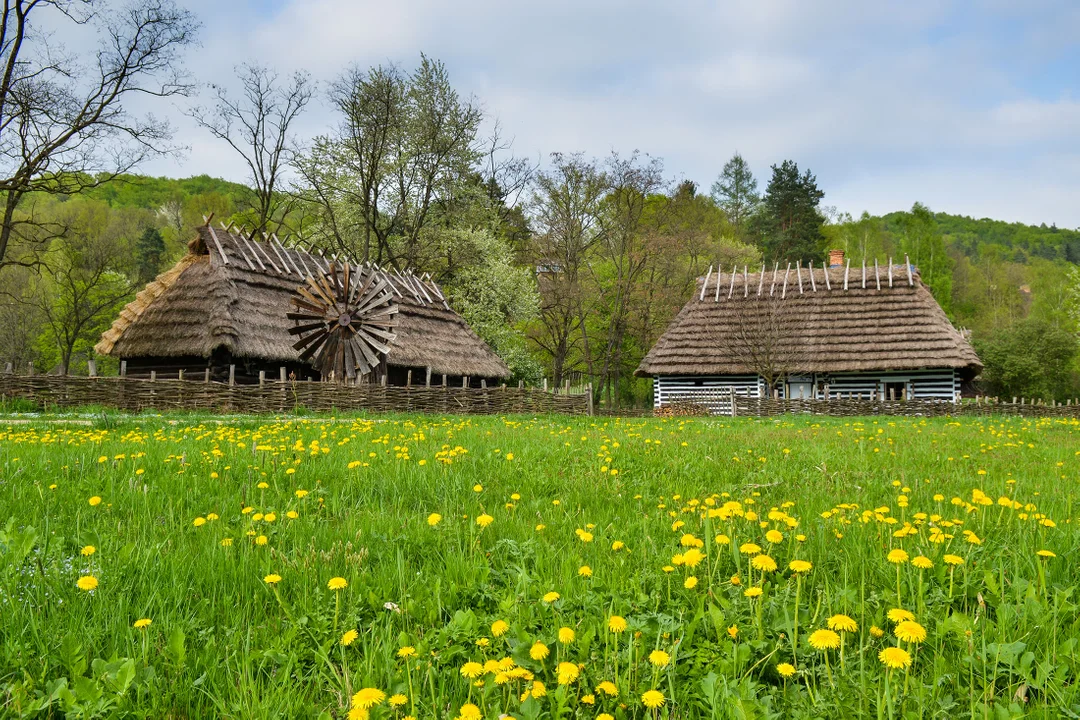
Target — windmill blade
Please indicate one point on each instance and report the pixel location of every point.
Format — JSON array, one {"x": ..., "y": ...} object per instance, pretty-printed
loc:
[
  {"x": 330, "y": 292},
  {"x": 386, "y": 335},
  {"x": 301, "y": 329},
  {"x": 349, "y": 359},
  {"x": 319, "y": 291},
  {"x": 307, "y": 340},
  {"x": 371, "y": 357},
  {"x": 384, "y": 349},
  {"x": 306, "y": 316},
  {"x": 305, "y": 305},
  {"x": 345, "y": 279},
  {"x": 319, "y": 341}
]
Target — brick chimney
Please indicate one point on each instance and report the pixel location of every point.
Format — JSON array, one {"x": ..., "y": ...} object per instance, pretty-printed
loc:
[{"x": 836, "y": 258}]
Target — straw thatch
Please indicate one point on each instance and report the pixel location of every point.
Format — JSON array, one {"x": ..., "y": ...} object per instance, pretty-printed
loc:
[
  {"x": 810, "y": 322},
  {"x": 231, "y": 293}
]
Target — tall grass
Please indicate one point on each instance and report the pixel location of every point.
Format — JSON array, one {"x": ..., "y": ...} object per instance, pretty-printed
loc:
[{"x": 194, "y": 516}]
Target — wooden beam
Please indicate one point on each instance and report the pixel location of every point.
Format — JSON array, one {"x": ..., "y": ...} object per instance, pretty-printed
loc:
[{"x": 214, "y": 237}]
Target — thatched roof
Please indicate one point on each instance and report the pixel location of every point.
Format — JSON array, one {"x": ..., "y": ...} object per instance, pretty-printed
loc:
[
  {"x": 816, "y": 320},
  {"x": 232, "y": 292}
]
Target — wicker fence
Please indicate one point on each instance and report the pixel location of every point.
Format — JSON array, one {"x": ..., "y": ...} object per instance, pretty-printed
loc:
[
  {"x": 723, "y": 403},
  {"x": 135, "y": 395}
]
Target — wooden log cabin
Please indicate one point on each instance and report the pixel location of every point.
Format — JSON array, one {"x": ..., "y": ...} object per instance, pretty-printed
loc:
[
  {"x": 816, "y": 332},
  {"x": 221, "y": 310}
]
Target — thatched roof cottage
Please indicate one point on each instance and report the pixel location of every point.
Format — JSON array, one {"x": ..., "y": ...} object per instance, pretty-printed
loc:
[
  {"x": 225, "y": 303},
  {"x": 804, "y": 332}
]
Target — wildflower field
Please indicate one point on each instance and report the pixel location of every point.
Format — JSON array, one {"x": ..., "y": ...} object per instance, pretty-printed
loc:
[{"x": 539, "y": 568}]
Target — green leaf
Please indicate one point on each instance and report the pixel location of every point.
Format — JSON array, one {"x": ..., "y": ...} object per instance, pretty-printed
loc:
[{"x": 175, "y": 646}]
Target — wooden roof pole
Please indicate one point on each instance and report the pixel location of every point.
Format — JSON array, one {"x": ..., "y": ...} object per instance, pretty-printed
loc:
[
  {"x": 783, "y": 293},
  {"x": 798, "y": 272},
  {"x": 734, "y": 270},
  {"x": 890, "y": 272},
  {"x": 772, "y": 288},
  {"x": 745, "y": 282},
  {"x": 907, "y": 264},
  {"x": 847, "y": 269},
  {"x": 761, "y": 280},
  {"x": 810, "y": 266},
  {"x": 705, "y": 285},
  {"x": 221, "y": 250},
  {"x": 825, "y": 271},
  {"x": 877, "y": 274},
  {"x": 864, "y": 273}
]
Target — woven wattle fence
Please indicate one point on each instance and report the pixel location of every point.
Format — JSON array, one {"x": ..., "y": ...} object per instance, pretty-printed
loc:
[{"x": 135, "y": 395}]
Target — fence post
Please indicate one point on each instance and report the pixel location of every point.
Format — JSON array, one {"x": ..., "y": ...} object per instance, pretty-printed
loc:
[
  {"x": 444, "y": 380},
  {"x": 734, "y": 409},
  {"x": 232, "y": 375},
  {"x": 8, "y": 369},
  {"x": 465, "y": 381},
  {"x": 521, "y": 384},
  {"x": 483, "y": 384},
  {"x": 180, "y": 375},
  {"x": 206, "y": 375},
  {"x": 566, "y": 387},
  {"x": 589, "y": 403},
  {"x": 123, "y": 368},
  {"x": 281, "y": 374},
  {"x": 408, "y": 379},
  {"x": 30, "y": 368},
  {"x": 427, "y": 376},
  {"x": 545, "y": 384},
  {"x": 91, "y": 368},
  {"x": 153, "y": 375},
  {"x": 262, "y": 378},
  {"x": 382, "y": 379}
]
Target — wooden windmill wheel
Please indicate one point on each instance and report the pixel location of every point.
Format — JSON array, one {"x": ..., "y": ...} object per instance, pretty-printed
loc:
[{"x": 345, "y": 322}]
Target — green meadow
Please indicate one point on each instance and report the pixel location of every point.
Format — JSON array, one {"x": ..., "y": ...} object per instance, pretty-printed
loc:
[{"x": 550, "y": 567}]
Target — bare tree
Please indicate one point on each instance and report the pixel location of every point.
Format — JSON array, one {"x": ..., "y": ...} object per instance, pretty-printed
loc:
[
  {"x": 63, "y": 123},
  {"x": 404, "y": 153},
  {"x": 256, "y": 125},
  {"x": 763, "y": 338},
  {"x": 565, "y": 210}
]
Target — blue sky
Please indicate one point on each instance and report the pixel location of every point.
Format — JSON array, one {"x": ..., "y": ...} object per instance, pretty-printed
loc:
[{"x": 969, "y": 107}]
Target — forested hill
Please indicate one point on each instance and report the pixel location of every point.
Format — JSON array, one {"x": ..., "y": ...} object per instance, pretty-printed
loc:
[
  {"x": 141, "y": 191},
  {"x": 1017, "y": 241}
]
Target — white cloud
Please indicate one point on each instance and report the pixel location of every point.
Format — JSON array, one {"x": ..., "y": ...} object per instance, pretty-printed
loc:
[{"x": 886, "y": 103}]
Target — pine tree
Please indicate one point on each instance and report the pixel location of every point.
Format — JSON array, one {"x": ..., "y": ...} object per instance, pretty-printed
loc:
[
  {"x": 788, "y": 224},
  {"x": 735, "y": 191},
  {"x": 149, "y": 253}
]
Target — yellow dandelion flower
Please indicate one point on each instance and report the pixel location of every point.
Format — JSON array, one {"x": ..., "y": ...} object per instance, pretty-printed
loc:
[
  {"x": 349, "y": 637},
  {"x": 567, "y": 672},
  {"x": 824, "y": 640},
  {"x": 877, "y": 632},
  {"x": 753, "y": 592},
  {"x": 900, "y": 615},
  {"x": 897, "y": 556},
  {"x": 842, "y": 623},
  {"x": 469, "y": 711},
  {"x": 87, "y": 583},
  {"x": 434, "y": 519},
  {"x": 659, "y": 658},
  {"x": 407, "y": 651},
  {"x": 90, "y": 550},
  {"x": 226, "y": 542},
  {"x": 749, "y": 549},
  {"x": 774, "y": 536},
  {"x": 551, "y": 597},
  {"x": 499, "y": 628},
  {"x": 472, "y": 670},
  {"x": 735, "y": 580},
  {"x": 608, "y": 688},
  {"x": 272, "y": 579},
  {"x": 652, "y": 699},
  {"x": 690, "y": 583},
  {"x": 922, "y": 562},
  {"x": 142, "y": 623},
  {"x": 616, "y": 624},
  {"x": 584, "y": 571},
  {"x": 484, "y": 520},
  {"x": 397, "y": 700},
  {"x": 895, "y": 658},
  {"x": 1045, "y": 553},
  {"x": 910, "y": 631},
  {"x": 733, "y": 632},
  {"x": 800, "y": 566},
  {"x": 953, "y": 560},
  {"x": 786, "y": 670},
  {"x": 337, "y": 583},
  {"x": 566, "y": 635},
  {"x": 95, "y": 501},
  {"x": 539, "y": 651},
  {"x": 763, "y": 563},
  {"x": 368, "y": 698}
]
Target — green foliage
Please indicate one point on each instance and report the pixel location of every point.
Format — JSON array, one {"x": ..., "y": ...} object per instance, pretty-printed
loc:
[
  {"x": 496, "y": 298},
  {"x": 149, "y": 253},
  {"x": 1030, "y": 359},
  {"x": 735, "y": 192},
  {"x": 1001, "y": 627},
  {"x": 788, "y": 224}
]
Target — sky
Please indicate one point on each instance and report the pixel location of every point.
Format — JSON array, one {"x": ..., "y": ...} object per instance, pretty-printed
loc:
[{"x": 971, "y": 108}]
